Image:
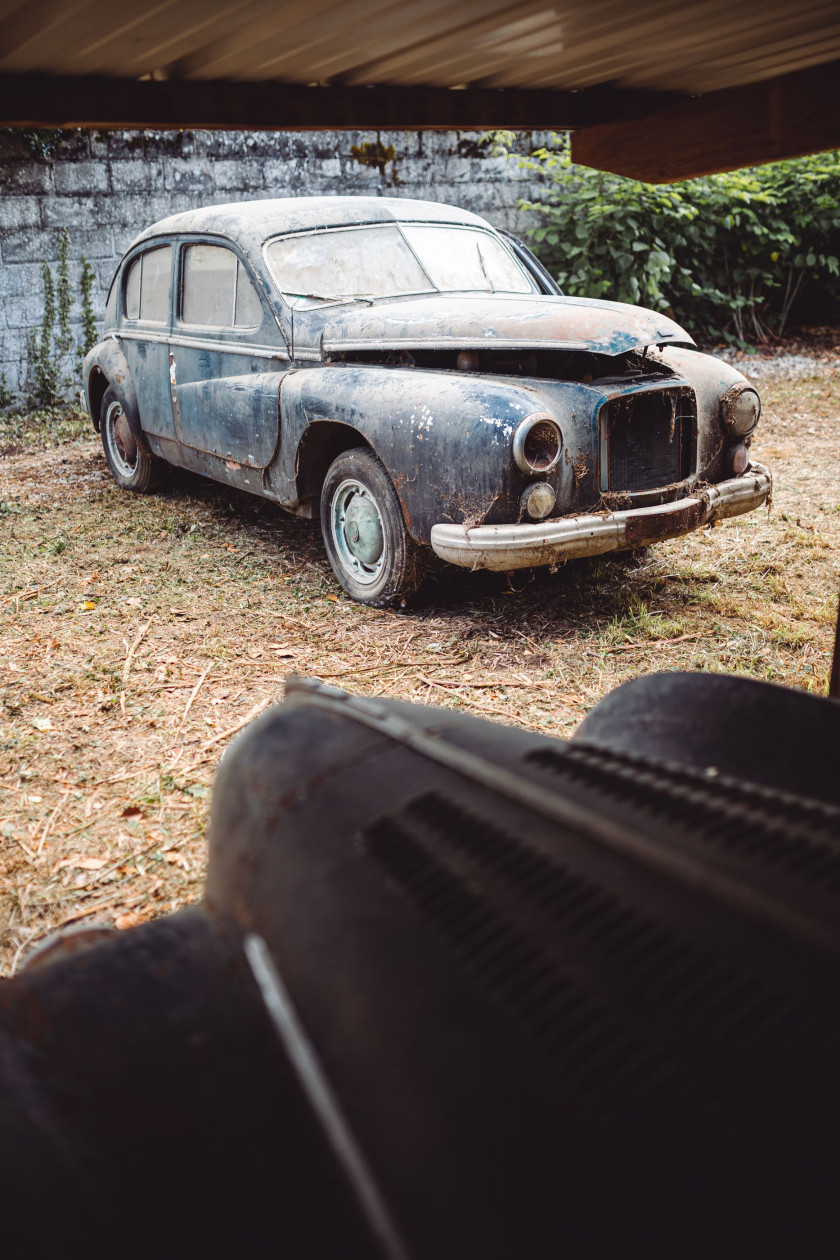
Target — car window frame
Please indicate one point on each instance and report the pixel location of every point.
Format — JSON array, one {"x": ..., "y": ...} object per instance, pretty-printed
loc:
[
  {"x": 432, "y": 292},
  {"x": 180, "y": 325},
  {"x": 128, "y": 262}
]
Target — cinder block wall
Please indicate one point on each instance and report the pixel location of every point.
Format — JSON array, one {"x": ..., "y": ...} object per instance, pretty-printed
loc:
[{"x": 104, "y": 187}]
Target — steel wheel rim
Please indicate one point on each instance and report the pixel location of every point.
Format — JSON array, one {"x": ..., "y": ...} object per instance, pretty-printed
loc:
[
  {"x": 349, "y": 493},
  {"x": 117, "y": 445}
]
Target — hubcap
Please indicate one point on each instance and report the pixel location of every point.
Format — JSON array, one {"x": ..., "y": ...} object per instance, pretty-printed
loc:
[
  {"x": 357, "y": 532},
  {"x": 121, "y": 440}
]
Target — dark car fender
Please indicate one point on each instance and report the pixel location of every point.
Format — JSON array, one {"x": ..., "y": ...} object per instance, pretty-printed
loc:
[
  {"x": 106, "y": 365},
  {"x": 445, "y": 438}
]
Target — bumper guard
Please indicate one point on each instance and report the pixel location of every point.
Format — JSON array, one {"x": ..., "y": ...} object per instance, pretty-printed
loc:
[{"x": 526, "y": 546}]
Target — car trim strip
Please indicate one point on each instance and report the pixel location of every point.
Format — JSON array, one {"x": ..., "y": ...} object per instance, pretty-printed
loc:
[{"x": 228, "y": 347}]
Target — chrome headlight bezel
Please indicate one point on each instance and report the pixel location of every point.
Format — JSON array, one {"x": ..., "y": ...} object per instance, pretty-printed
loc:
[
  {"x": 523, "y": 458},
  {"x": 741, "y": 409}
]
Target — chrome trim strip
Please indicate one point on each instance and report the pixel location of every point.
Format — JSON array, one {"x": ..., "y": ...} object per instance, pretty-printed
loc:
[
  {"x": 505, "y": 547},
  {"x": 321, "y": 1098},
  {"x": 228, "y": 347}
]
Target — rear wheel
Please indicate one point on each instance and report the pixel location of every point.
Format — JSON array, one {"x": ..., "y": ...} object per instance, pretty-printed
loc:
[
  {"x": 367, "y": 543},
  {"x": 132, "y": 464}
]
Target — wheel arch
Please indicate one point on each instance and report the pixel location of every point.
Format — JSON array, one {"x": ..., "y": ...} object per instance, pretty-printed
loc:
[
  {"x": 319, "y": 445},
  {"x": 107, "y": 367},
  {"x": 97, "y": 385}
]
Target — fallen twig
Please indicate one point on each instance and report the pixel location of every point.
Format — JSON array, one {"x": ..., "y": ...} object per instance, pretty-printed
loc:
[
  {"x": 130, "y": 656},
  {"x": 49, "y": 823},
  {"x": 193, "y": 695},
  {"x": 233, "y": 729},
  {"x": 652, "y": 643}
]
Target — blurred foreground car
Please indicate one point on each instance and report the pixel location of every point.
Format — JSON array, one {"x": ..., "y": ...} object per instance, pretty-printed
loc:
[
  {"x": 418, "y": 380},
  {"x": 457, "y": 991}
]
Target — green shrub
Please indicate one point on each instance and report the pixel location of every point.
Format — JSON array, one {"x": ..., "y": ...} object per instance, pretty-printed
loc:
[{"x": 726, "y": 255}]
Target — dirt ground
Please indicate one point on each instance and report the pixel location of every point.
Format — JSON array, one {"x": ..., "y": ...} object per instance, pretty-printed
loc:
[{"x": 139, "y": 634}]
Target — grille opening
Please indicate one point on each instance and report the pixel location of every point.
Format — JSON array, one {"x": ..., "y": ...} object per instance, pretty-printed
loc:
[
  {"x": 648, "y": 439},
  {"x": 767, "y": 828},
  {"x": 584, "y": 366}
]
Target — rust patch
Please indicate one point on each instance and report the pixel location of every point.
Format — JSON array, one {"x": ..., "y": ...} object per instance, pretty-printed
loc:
[
  {"x": 580, "y": 468},
  {"x": 615, "y": 501},
  {"x": 645, "y": 529}
]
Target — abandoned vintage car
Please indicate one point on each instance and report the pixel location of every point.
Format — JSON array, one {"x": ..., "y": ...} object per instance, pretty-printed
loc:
[{"x": 418, "y": 380}]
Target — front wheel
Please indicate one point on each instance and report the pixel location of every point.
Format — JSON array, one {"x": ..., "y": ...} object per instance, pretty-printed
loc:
[
  {"x": 368, "y": 546},
  {"x": 132, "y": 465}
]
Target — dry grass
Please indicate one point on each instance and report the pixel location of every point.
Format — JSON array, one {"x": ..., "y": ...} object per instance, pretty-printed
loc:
[{"x": 138, "y": 633}]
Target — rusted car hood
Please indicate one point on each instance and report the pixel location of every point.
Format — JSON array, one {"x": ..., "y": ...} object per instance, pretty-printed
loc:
[{"x": 445, "y": 320}]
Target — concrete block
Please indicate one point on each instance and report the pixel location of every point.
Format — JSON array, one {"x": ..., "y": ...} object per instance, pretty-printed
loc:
[
  {"x": 184, "y": 173},
  {"x": 81, "y": 177},
  {"x": 135, "y": 211},
  {"x": 241, "y": 174},
  {"x": 137, "y": 174},
  {"x": 76, "y": 211},
  {"x": 20, "y": 212},
  {"x": 282, "y": 175},
  {"x": 28, "y": 245},
  {"x": 94, "y": 244},
  {"x": 25, "y": 177},
  {"x": 119, "y": 145},
  {"x": 324, "y": 168},
  {"x": 25, "y": 311},
  {"x": 19, "y": 279}
]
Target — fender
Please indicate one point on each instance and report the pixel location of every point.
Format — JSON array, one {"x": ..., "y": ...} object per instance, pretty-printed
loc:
[
  {"x": 108, "y": 359},
  {"x": 445, "y": 438}
]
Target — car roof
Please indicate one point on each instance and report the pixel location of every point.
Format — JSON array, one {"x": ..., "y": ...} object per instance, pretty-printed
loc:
[{"x": 250, "y": 222}]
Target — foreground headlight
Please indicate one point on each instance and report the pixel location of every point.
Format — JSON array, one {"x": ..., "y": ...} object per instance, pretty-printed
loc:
[
  {"x": 537, "y": 443},
  {"x": 741, "y": 409}
]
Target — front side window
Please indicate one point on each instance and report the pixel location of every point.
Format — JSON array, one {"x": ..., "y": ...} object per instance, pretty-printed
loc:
[
  {"x": 147, "y": 286},
  {"x": 217, "y": 290},
  {"x": 390, "y": 259}
]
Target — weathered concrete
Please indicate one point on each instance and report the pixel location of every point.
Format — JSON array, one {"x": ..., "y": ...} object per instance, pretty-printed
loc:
[{"x": 104, "y": 187}]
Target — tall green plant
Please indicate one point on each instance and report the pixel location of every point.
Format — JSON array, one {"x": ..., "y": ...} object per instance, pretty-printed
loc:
[
  {"x": 89, "y": 333},
  {"x": 42, "y": 360},
  {"x": 727, "y": 255},
  {"x": 64, "y": 339}
]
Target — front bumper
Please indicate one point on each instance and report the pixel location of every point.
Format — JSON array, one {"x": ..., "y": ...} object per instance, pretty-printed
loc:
[{"x": 527, "y": 546}]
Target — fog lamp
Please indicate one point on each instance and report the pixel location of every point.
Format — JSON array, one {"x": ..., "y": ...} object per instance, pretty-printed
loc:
[
  {"x": 741, "y": 409},
  {"x": 538, "y": 500},
  {"x": 740, "y": 458}
]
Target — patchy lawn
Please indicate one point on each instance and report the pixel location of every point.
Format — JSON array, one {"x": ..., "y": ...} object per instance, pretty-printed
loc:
[{"x": 138, "y": 634}]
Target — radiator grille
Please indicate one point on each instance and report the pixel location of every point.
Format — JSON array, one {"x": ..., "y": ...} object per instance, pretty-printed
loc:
[{"x": 648, "y": 439}]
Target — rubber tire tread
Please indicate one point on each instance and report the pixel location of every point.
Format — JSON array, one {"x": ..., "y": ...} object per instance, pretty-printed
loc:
[
  {"x": 405, "y": 568},
  {"x": 149, "y": 470}
]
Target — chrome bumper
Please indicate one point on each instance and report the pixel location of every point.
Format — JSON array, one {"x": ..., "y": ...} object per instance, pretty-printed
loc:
[{"x": 551, "y": 542}]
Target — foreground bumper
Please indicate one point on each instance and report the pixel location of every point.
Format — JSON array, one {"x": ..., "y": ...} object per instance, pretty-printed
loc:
[{"x": 551, "y": 542}]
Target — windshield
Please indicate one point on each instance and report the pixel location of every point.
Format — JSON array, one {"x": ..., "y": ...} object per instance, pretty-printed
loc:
[{"x": 391, "y": 259}]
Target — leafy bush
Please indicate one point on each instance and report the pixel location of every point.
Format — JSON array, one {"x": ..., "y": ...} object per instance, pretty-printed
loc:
[{"x": 726, "y": 255}]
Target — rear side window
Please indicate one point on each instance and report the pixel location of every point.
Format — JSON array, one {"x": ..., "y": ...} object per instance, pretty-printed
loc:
[
  {"x": 147, "y": 286},
  {"x": 217, "y": 290}
]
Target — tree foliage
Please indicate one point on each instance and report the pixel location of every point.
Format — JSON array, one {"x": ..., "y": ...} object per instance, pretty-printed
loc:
[{"x": 726, "y": 255}]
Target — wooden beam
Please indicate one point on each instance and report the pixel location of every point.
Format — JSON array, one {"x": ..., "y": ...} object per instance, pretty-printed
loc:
[
  {"x": 39, "y": 100},
  {"x": 721, "y": 131}
]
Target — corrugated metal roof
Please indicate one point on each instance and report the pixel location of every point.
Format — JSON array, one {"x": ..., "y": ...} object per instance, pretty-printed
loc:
[{"x": 573, "y": 44}]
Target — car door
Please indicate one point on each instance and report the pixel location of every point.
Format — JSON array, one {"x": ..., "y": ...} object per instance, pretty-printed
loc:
[
  {"x": 225, "y": 356},
  {"x": 144, "y": 334}
]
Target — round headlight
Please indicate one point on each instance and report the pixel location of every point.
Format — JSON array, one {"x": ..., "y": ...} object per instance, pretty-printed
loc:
[
  {"x": 538, "y": 500},
  {"x": 741, "y": 409},
  {"x": 537, "y": 443}
]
